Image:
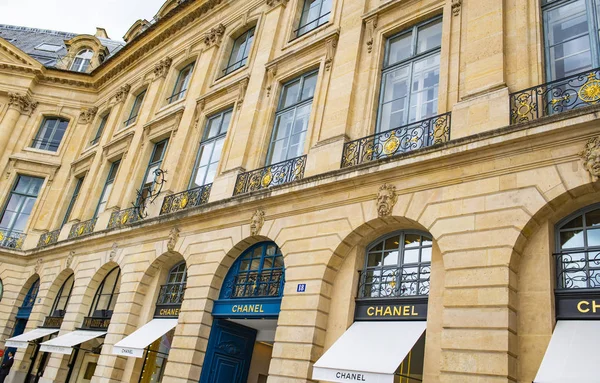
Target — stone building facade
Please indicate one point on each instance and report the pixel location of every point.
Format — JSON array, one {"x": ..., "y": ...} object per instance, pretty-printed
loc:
[{"x": 323, "y": 170}]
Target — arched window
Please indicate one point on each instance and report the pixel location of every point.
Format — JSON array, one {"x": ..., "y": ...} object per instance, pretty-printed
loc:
[
  {"x": 172, "y": 292},
  {"x": 29, "y": 300},
  {"x": 178, "y": 274},
  {"x": 258, "y": 272},
  {"x": 62, "y": 298},
  {"x": 106, "y": 295},
  {"x": 578, "y": 250},
  {"x": 1, "y": 290},
  {"x": 82, "y": 60},
  {"x": 399, "y": 265}
]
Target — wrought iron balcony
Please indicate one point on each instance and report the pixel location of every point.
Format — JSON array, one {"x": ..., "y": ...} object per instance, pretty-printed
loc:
[
  {"x": 185, "y": 200},
  {"x": 82, "y": 228},
  {"x": 555, "y": 97},
  {"x": 53, "y": 321},
  {"x": 272, "y": 175},
  {"x": 394, "y": 282},
  {"x": 48, "y": 239},
  {"x": 171, "y": 294},
  {"x": 578, "y": 269},
  {"x": 254, "y": 284},
  {"x": 122, "y": 218},
  {"x": 12, "y": 240},
  {"x": 420, "y": 134}
]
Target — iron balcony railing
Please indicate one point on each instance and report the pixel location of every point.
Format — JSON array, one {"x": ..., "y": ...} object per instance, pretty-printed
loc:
[
  {"x": 420, "y": 134},
  {"x": 122, "y": 218},
  {"x": 254, "y": 284},
  {"x": 12, "y": 240},
  {"x": 394, "y": 282},
  {"x": 578, "y": 269},
  {"x": 97, "y": 322},
  {"x": 577, "y": 91},
  {"x": 171, "y": 294},
  {"x": 82, "y": 228},
  {"x": 48, "y": 239},
  {"x": 185, "y": 200},
  {"x": 272, "y": 175},
  {"x": 53, "y": 321}
]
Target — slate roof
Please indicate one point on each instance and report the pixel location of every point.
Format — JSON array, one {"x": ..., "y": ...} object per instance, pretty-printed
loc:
[{"x": 30, "y": 39}]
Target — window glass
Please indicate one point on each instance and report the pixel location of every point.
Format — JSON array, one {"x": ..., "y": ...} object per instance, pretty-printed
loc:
[
  {"x": 182, "y": 83},
  {"x": 62, "y": 298},
  {"x": 50, "y": 134},
  {"x": 291, "y": 120},
  {"x": 135, "y": 108},
  {"x": 19, "y": 205},
  {"x": 107, "y": 293},
  {"x": 112, "y": 173},
  {"x": 100, "y": 129},
  {"x": 240, "y": 51},
  {"x": 210, "y": 149},
  {"x": 1, "y": 290},
  {"x": 314, "y": 14},
  {"x": 73, "y": 199},
  {"x": 82, "y": 60},
  {"x": 158, "y": 154},
  {"x": 397, "y": 266},
  {"x": 410, "y": 78}
]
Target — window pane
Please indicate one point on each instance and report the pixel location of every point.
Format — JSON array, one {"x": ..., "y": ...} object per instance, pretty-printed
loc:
[
  {"x": 212, "y": 127},
  {"x": 424, "y": 89},
  {"x": 411, "y": 256},
  {"x": 426, "y": 254},
  {"x": 429, "y": 37},
  {"x": 390, "y": 258},
  {"x": 225, "y": 122},
  {"x": 374, "y": 259},
  {"x": 290, "y": 95},
  {"x": 399, "y": 48},
  {"x": 593, "y": 217},
  {"x": 308, "y": 90},
  {"x": 571, "y": 239},
  {"x": 574, "y": 223},
  {"x": 593, "y": 237}
]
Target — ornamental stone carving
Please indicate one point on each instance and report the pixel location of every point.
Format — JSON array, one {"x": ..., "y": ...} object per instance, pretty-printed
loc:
[
  {"x": 214, "y": 36},
  {"x": 456, "y": 5},
  {"x": 113, "y": 251},
  {"x": 331, "y": 47},
  {"x": 242, "y": 87},
  {"x": 23, "y": 103},
  {"x": 271, "y": 73},
  {"x": 87, "y": 115},
  {"x": 162, "y": 68},
  {"x": 386, "y": 200},
  {"x": 370, "y": 27},
  {"x": 69, "y": 260},
  {"x": 38, "y": 266},
  {"x": 591, "y": 157},
  {"x": 256, "y": 222},
  {"x": 122, "y": 93},
  {"x": 173, "y": 237},
  {"x": 274, "y": 3}
]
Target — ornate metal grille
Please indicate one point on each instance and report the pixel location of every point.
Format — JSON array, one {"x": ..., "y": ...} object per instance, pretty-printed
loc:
[
  {"x": 421, "y": 134},
  {"x": 53, "y": 321},
  {"x": 82, "y": 228},
  {"x": 578, "y": 270},
  {"x": 171, "y": 294},
  {"x": 97, "y": 322},
  {"x": 272, "y": 175},
  {"x": 48, "y": 239},
  {"x": 255, "y": 284},
  {"x": 397, "y": 266},
  {"x": 554, "y": 97},
  {"x": 12, "y": 240},
  {"x": 185, "y": 200},
  {"x": 122, "y": 218}
]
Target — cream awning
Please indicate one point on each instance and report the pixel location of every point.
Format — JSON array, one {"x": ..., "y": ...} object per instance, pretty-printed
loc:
[
  {"x": 64, "y": 344},
  {"x": 134, "y": 344},
  {"x": 572, "y": 355},
  {"x": 22, "y": 341},
  {"x": 368, "y": 352}
]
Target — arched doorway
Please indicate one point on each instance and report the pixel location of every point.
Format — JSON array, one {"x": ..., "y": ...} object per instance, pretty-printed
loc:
[
  {"x": 245, "y": 318},
  {"x": 23, "y": 314}
]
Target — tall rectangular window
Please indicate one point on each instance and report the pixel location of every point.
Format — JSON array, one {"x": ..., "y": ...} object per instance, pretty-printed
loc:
[
  {"x": 100, "y": 130},
  {"x": 20, "y": 203},
  {"x": 110, "y": 179},
  {"x": 240, "y": 52},
  {"x": 571, "y": 32},
  {"x": 50, "y": 134},
  {"x": 210, "y": 150},
  {"x": 156, "y": 159},
  {"x": 314, "y": 14},
  {"x": 135, "y": 108},
  {"x": 291, "y": 119},
  {"x": 410, "y": 76},
  {"x": 72, "y": 200},
  {"x": 182, "y": 83}
]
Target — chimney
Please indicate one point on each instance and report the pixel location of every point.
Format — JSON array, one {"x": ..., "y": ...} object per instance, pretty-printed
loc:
[{"x": 101, "y": 33}]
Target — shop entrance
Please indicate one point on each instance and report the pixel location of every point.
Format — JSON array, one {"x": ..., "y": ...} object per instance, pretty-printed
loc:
[{"x": 245, "y": 318}]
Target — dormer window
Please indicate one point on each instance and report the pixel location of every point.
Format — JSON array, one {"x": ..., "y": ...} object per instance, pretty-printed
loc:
[{"x": 82, "y": 60}]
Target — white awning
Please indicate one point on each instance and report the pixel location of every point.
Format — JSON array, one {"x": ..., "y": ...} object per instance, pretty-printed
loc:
[
  {"x": 363, "y": 352},
  {"x": 64, "y": 344},
  {"x": 135, "y": 343},
  {"x": 22, "y": 341},
  {"x": 572, "y": 356}
]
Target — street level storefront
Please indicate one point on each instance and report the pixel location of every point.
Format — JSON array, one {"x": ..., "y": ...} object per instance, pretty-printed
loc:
[
  {"x": 84, "y": 345},
  {"x": 572, "y": 354},
  {"x": 50, "y": 328},
  {"x": 386, "y": 342},
  {"x": 245, "y": 318},
  {"x": 153, "y": 341}
]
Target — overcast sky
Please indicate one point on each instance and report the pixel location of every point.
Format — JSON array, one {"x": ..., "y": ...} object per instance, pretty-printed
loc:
[{"x": 78, "y": 16}]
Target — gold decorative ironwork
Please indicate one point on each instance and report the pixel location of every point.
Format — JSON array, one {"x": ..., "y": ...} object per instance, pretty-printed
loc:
[
  {"x": 590, "y": 91},
  {"x": 267, "y": 178},
  {"x": 82, "y": 228},
  {"x": 12, "y": 240},
  {"x": 184, "y": 201},
  {"x": 403, "y": 139},
  {"x": 187, "y": 199},
  {"x": 272, "y": 175},
  {"x": 121, "y": 218}
]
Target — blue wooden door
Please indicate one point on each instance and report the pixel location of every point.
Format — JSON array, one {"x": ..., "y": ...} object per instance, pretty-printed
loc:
[{"x": 228, "y": 354}]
